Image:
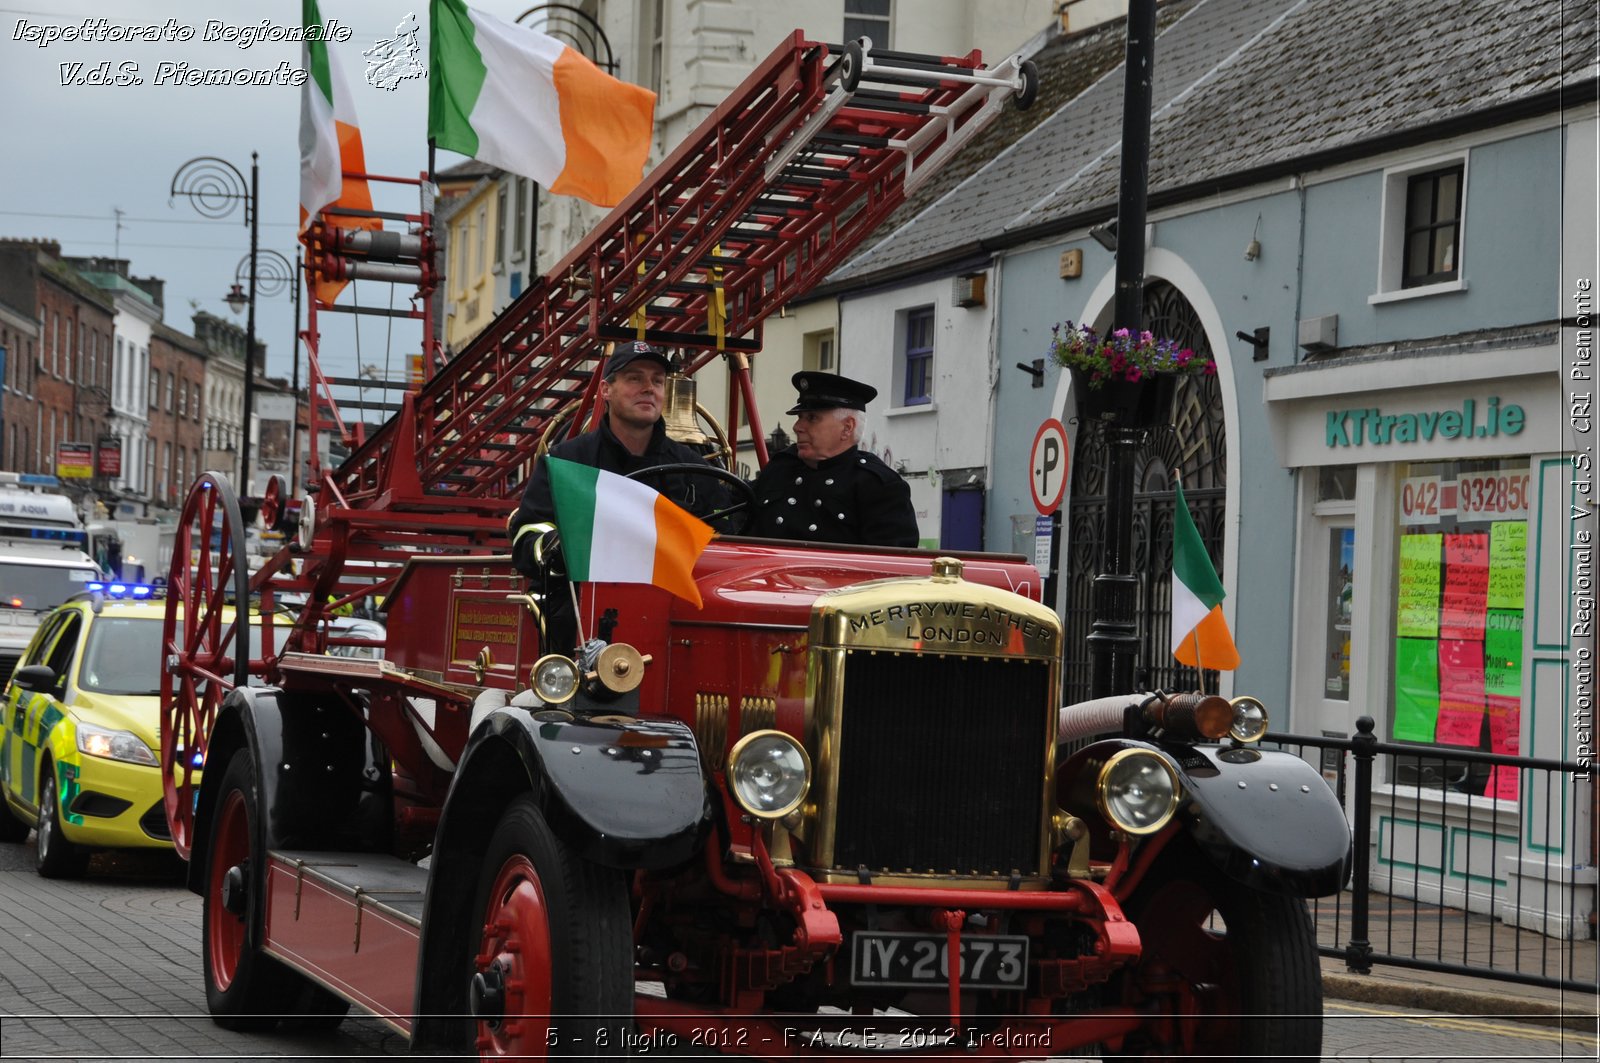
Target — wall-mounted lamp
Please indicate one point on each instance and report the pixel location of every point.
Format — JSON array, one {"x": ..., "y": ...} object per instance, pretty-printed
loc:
[
  {"x": 1105, "y": 234},
  {"x": 1252, "y": 250},
  {"x": 1259, "y": 340}
]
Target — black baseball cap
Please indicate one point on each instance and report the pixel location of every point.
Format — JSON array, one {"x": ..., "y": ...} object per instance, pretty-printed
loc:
[
  {"x": 625, "y": 354},
  {"x": 830, "y": 391}
]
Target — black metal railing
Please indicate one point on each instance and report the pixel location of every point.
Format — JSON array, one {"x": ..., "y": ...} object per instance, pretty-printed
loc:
[{"x": 1454, "y": 892}]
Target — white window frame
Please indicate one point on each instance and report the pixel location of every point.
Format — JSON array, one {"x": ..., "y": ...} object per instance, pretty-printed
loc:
[{"x": 1392, "y": 231}]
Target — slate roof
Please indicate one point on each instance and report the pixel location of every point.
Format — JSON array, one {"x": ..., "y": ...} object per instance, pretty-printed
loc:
[{"x": 1241, "y": 86}]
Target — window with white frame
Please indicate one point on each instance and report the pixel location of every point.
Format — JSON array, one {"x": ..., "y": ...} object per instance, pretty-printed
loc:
[
  {"x": 658, "y": 33},
  {"x": 818, "y": 353},
  {"x": 867, "y": 18},
  {"x": 1422, "y": 229},
  {"x": 917, "y": 359}
]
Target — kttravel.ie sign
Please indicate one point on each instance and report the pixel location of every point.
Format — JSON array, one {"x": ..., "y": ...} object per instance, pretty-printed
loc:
[{"x": 1371, "y": 425}]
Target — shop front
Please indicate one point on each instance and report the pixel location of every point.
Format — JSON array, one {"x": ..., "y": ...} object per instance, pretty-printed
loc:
[{"x": 1434, "y": 592}]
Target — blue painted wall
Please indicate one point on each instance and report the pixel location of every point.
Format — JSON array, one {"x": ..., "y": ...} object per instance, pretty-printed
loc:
[{"x": 1510, "y": 262}]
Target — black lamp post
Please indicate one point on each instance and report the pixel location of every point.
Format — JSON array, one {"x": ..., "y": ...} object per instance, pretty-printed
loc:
[
  {"x": 275, "y": 271},
  {"x": 1113, "y": 636},
  {"x": 214, "y": 187}
]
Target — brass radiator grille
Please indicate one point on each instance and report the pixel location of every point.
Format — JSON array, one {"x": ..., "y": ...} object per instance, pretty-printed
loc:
[{"x": 940, "y": 764}]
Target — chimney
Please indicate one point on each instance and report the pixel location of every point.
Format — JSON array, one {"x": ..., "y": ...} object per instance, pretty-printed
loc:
[{"x": 154, "y": 287}]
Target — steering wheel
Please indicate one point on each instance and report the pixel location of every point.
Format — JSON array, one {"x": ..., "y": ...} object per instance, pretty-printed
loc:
[{"x": 745, "y": 504}]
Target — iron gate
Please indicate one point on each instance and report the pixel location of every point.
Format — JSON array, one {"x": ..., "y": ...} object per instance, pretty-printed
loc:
[{"x": 1193, "y": 446}]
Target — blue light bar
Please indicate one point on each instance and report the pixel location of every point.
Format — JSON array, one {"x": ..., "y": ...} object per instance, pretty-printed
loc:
[{"x": 121, "y": 590}]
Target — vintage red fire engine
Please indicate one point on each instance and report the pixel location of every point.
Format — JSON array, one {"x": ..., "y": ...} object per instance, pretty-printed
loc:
[{"x": 831, "y": 810}]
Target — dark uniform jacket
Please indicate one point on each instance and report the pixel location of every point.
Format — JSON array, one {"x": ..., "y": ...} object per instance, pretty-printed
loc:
[
  {"x": 602, "y": 450},
  {"x": 849, "y": 498}
]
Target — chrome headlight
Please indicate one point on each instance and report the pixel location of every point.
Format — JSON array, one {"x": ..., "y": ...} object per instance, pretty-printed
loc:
[
  {"x": 1249, "y": 720},
  {"x": 114, "y": 745},
  {"x": 769, "y": 773},
  {"x": 555, "y": 678},
  {"x": 1137, "y": 791}
]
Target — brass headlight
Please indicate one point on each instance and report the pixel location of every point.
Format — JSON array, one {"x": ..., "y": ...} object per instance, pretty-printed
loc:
[
  {"x": 1249, "y": 719},
  {"x": 769, "y": 773},
  {"x": 555, "y": 679},
  {"x": 1137, "y": 791}
]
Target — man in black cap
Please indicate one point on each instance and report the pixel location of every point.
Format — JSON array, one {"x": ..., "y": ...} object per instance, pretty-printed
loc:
[
  {"x": 824, "y": 489},
  {"x": 631, "y": 436}
]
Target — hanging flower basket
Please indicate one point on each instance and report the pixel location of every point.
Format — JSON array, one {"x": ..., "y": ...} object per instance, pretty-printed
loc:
[{"x": 1125, "y": 378}]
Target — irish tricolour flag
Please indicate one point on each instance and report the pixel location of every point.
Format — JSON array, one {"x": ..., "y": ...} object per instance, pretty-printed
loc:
[
  {"x": 523, "y": 101},
  {"x": 1200, "y": 636},
  {"x": 330, "y": 144},
  {"x": 617, "y": 530}
]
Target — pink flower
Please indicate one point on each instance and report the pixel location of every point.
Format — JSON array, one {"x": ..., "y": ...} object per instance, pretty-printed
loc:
[{"x": 1121, "y": 334}]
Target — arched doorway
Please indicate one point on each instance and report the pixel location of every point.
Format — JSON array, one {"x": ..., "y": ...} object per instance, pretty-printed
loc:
[{"x": 1194, "y": 445}]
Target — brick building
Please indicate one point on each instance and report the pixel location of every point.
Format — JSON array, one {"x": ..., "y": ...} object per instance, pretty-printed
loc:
[
  {"x": 72, "y": 387},
  {"x": 176, "y": 410},
  {"x": 19, "y": 340}
]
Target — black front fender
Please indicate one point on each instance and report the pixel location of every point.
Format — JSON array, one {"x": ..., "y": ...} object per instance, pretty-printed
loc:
[
  {"x": 322, "y": 782},
  {"x": 1268, "y": 819},
  {"x": 621, "y": 792},
  {"x": 1265, "y": 818}
]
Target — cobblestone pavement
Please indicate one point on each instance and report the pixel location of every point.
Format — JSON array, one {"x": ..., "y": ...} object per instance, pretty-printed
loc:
[{"x": 108, "y": 967}]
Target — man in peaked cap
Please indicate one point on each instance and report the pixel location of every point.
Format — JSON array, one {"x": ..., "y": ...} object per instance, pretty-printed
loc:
[
  {"x": 631, "y": 436},
  {"x": 825, "y": 489}
]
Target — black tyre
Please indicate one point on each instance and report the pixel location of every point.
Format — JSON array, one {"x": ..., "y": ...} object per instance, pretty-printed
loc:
[
  {"x": 1030, "y": 86},
  {"x": 245, "y": 988},
  {"x": 552, "y": 973},
  {"x": 1228, "y": 972},
  {"x": 850, "y": 67},
  {"x": 54, "y": 856}
]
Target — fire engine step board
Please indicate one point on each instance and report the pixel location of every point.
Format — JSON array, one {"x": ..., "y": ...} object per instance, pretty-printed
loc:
[{"x": 352, "y": 921}]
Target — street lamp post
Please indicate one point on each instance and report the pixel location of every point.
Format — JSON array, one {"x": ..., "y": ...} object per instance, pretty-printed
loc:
[
  {"x": 273, "y": 272},
  {"x": 1114, "y": 633},
  {"x": 214, "y": 187}
]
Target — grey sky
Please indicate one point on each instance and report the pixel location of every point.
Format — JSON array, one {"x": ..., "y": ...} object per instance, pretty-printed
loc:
[{"x": 75, "y": 152}]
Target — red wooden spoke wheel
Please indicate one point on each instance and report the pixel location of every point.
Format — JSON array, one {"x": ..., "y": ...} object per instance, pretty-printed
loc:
[{"x": 199, "y": 638}]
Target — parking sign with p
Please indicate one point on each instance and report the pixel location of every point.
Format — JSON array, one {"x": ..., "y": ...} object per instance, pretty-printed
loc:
[{"x": 1047, "y": 467}]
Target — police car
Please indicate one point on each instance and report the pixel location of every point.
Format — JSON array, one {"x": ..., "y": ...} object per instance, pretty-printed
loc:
[{"x": 80, "y": 753}]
